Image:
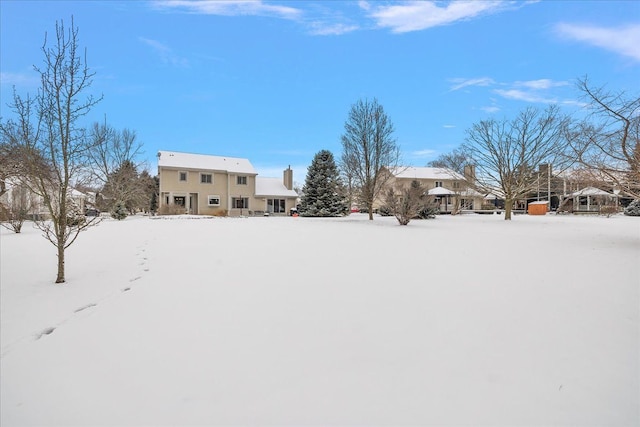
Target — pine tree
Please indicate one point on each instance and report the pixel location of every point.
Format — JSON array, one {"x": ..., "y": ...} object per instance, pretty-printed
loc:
[
  {"x": 119, "y": 211},
  {"x": 323, "y": 192}
]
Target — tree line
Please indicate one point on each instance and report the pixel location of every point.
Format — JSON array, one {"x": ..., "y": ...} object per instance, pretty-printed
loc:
[{"x": 506, "y": 154}]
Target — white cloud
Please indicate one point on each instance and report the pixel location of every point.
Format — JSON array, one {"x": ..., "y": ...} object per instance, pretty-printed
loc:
[
  {"x": 19, "y": 79},
  {"x": 520, "y": 95},
  {"x": 324, "y": 29},
  {"x": 448, "y": 126},
  {"x": 462, "y": 83},
  {"x": 491, "y": 109},
  {"x": 426, "y": 153},
  {"x": 165, "y": 53},
  {"x": 541, "y": 84},
  {"x": 420, "y": 15},
  {"x": 364, "y": 5},
  {"x": 624, "y": 40},
  {"x": 231, "y": 8}
]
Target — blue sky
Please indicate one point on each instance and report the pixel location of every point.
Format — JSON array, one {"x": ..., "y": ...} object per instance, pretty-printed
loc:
[{"x": 273, "y": 81}]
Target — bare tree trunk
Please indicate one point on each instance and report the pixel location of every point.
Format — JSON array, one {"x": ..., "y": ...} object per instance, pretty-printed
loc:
[
  {"x": 60, "y": 277},
  {"x": 508, "y": 206}
]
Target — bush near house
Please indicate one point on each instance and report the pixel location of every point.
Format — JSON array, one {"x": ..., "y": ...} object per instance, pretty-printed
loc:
[
  {"x": 171, "y": 209},
  {"x": 633, "y": 209}
]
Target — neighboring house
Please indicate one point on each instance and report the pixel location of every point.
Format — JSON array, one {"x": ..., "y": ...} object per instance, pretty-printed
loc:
[
  {"x": 18, "y": 197},
  {"x": 445, "y": 185},
  {"x": 201, "y": 184}
]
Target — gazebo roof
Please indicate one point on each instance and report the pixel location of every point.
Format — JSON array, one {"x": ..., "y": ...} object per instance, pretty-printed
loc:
[
  {"x": 592, "y": 191},
  {"x": 440, "y": 191}
]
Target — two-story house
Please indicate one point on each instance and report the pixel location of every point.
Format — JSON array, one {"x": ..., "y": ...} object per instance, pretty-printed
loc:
[
  {"x": 218, "y": 185},
  {"x": 451, "y": 190}
]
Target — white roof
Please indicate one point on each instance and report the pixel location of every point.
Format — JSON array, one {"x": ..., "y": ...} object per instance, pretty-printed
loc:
[
  {"x": 440, "y": 191},
  {"x": 591, "y": 191},
  {"x": 174, "y": 159},
  {"x": 272, "y": 187},
  {"x": 410, "y": 172},
  {"x": 470, "y": 192}
]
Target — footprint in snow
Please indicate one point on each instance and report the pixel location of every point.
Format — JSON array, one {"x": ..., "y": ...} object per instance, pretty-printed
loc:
[
  {"x": 46, "y": 331},
  {"x": 85, "y": 307}
]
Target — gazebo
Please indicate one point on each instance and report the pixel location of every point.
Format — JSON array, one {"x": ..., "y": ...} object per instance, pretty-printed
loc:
[
  {"x": 590, "y": 199},
  {"x": 443, "y": 196}
]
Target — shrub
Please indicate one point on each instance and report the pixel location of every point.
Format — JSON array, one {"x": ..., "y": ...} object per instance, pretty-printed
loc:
[
  {"x": 428, "y": 211},
  {"x": 220, "y": 212},
  {"x": 171, "y": 210},
  {"x": 608, "y": 210},
  {"x": 633, "y": 209},
  {"x": 384, "y": 211},
  {"x": 119, "y": 211}
]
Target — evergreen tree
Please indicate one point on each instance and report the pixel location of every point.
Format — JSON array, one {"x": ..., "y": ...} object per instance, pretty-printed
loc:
[
  {"x": 323, "y": 192},
  {"x": 119, "y": 211},
  {"x": 153, "y": 204}
]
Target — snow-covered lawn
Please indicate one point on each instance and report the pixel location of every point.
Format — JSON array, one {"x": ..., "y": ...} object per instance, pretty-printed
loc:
[{"x": 466, "y": 320}]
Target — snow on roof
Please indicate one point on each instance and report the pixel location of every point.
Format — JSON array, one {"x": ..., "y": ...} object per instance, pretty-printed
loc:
[
  {"x": 272, "y": 187},
  {"x": 174, "y": 159},
  {"x": 591, "y": 191},
  {"x": 470, "y": 192},
  {"x": 411, "y": 172},
  {"x": 440, "y": 191}
]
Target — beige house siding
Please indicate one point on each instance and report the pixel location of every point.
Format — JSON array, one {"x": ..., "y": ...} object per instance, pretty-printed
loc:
[{"x": 226, "y": 186}]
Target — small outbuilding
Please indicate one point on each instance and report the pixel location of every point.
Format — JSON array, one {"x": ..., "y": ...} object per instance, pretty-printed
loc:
[{"x": 538, "y": 208}]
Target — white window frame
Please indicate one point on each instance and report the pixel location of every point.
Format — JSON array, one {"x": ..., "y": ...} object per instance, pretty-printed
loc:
[
  {"x": 202, "y": 175},
  {"x": 438, "y": 184},
  {"x": 213, "y": 197},
  {"x": 241, "y": 180}
]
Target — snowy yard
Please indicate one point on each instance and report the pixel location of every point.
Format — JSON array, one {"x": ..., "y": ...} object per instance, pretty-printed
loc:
[{"x": 466, "y": 320}]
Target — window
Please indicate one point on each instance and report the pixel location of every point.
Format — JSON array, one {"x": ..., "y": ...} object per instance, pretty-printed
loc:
[
  {"x": 205, "y": 178},
  {"x": 275, "y": 205},
  {"x": 178, "y": 200},
  {"x": 438, "y": 183},
  {"x": 456, "y": 185},
  {"x": 213, "y": 200},
  {"x": 241, "y": 180},
  {"x": 183, "y": 176},
  {"x": 240, "y": 202}
]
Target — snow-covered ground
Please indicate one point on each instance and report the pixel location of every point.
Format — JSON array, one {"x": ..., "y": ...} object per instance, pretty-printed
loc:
[{"x": 466, "y": 320}]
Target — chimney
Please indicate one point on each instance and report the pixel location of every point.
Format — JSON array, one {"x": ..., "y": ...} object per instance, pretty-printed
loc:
[
  {"x": 470, "y": 173},
  {"x": 288, "y": 178}
]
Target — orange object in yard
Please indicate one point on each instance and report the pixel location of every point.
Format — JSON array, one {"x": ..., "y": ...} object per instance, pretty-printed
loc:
[{"x": 538, "y": 208}]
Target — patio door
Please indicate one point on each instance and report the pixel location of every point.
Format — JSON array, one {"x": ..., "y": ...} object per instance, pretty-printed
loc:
[{"x": 193, "y": 203}]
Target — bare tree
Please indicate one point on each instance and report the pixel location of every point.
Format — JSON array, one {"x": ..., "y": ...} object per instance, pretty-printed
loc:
[
  {"x": 368, "y": 148},
  {"x": 405, "y": 202},
  {"x": 51, "y": 142},
  {"x": 456, "y": 163},
  {"x": 7, "y": 165},
  {"x": 606, "y": 144},
  {"x": 110, "y": 150},
  {"x": 507, "y": 153},
  {"x": 19, "y": 202}
]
